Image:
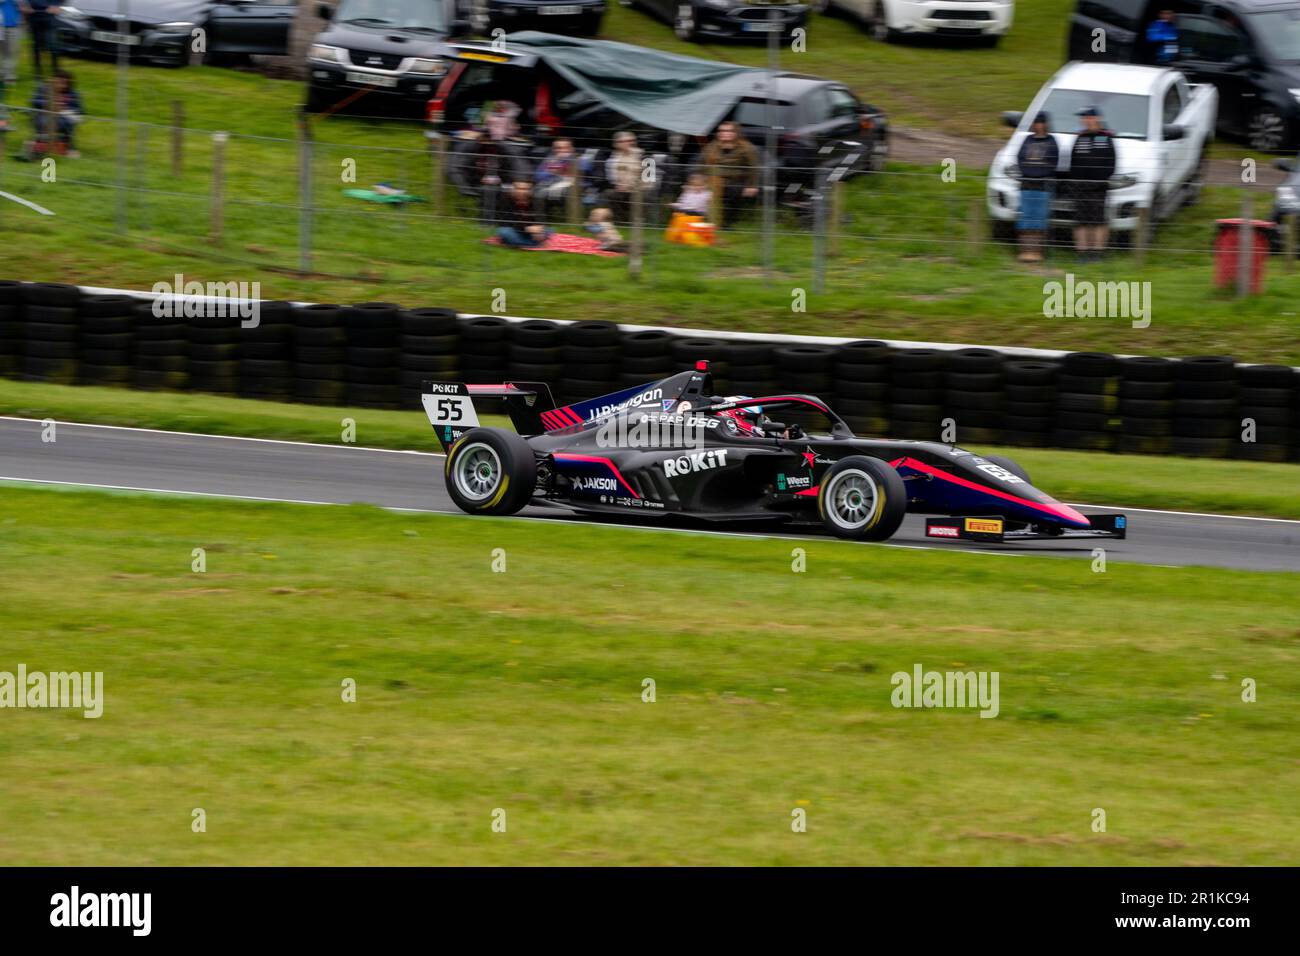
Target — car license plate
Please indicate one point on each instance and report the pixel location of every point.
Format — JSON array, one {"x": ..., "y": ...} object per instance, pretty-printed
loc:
[
  {"x": 122, "y": 39},
  {"x": 764, "y": 26},
  {"x": 372, "y": 79},
  {"x": 966, "y": 24},
  {"x": 563, "y": 11}
]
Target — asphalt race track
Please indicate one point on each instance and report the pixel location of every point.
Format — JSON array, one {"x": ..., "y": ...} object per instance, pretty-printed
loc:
[{"x": 126, "y": 458}]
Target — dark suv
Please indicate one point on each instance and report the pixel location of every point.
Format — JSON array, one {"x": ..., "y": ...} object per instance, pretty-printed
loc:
[
  {"x": 565, "y": 17},
  {"x": 380, "y": 54},
  {"x": 1249, "y": 49},
  {"x": 697, "y": 19}
]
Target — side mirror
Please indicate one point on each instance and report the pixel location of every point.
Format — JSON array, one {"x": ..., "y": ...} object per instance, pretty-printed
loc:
[
  {"x": 1012, "y": 118},
  {"x": 324, "y": 11},
  {"x": 1285, "y": 165},
  {"x": 1172, "y": 131}
]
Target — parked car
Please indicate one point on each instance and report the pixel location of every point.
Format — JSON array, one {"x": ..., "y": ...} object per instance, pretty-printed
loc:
[
  {"x": 162, "y": 31},
  {"x": 1162, "y": 126},
  {"x": 387, "y": 54},
  {"x": 694, "y": 20},
  {"x": 568, "y": 17},
  {"x": 889, "y": 20},
  {"x": 1249, "y": 49},
  {"x": 819, "y": 123},
  {"x": 1286, "y": 200}
]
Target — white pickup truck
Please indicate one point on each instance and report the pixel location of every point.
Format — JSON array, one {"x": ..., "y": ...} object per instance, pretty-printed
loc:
[{"x": 1163, "y": 128}]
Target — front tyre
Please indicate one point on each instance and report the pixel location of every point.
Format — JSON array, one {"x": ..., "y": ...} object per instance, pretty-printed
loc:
[
  {"x": 491, "y": 471},
  {"x": 862, "y": 499}
]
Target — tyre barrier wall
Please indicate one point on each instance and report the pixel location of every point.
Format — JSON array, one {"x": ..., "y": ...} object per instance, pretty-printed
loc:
[{"x": 377, "y": 354}]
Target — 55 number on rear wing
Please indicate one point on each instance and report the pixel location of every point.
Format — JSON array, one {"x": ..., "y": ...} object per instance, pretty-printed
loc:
[{"x": 451, "y": 410}]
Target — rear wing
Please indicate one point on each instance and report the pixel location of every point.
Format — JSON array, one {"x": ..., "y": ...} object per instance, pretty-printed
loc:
[{"x": 451, "y": 410}]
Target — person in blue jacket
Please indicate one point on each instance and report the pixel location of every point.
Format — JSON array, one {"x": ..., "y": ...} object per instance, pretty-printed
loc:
[
  {"x": 1162, "y": 34},
  {"x": 1037, "y": 160},
  {"x": 11, "y": 31}
]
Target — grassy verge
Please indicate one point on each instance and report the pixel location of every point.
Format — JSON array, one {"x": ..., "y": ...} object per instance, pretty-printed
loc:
[
  {"x": 1232, "y": 487},
  {"x": 523, "y": 691},
  {"x": 905, "y": 265}
]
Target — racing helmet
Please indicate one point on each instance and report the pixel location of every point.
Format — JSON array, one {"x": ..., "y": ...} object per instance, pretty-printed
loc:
[{"x": 748, "y": 419}]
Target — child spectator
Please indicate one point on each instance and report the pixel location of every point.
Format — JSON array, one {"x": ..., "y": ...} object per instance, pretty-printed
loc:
[{"x": 696, "y": 198}]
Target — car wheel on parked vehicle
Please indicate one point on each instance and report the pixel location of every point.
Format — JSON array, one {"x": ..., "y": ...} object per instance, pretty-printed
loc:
[
  {"x": 491, "y": 471},
  {"x": 862, "y": 498},
  {"x": 1267, "y": 130}
]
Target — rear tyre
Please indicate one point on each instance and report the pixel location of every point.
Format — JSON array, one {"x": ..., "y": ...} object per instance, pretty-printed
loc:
[
  {"x": 1010, "y": 465},
  {"x": 491, "y": 471},
  {"x": 862, "y": 499}
]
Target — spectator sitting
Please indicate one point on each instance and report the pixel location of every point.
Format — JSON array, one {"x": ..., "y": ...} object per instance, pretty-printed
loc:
[
  {"x": 519, "y": 225},
  {"x": 696, "y": 198},
  {"x": 57, "y": 106},
  {"x": 1162, "y": 35},
  {"x": 555, "y": 172},
  {"x": 601, "y": 222},
  {"x": 733, "y": 160}
]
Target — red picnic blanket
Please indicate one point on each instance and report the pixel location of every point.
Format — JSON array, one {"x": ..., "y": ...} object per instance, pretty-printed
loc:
[{"x": 565, "y": 242}]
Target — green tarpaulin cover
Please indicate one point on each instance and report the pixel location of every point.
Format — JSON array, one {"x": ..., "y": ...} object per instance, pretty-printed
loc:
[{"x": 680, "y": 94}]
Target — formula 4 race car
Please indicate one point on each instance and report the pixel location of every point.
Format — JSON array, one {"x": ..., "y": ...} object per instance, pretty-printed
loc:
[{"x": 673, "y": 448}]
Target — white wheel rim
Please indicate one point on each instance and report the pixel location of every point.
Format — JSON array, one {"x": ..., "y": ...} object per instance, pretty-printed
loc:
[
  {"x": 477, "y": 472},
  {"x": 851, "y": 499}
]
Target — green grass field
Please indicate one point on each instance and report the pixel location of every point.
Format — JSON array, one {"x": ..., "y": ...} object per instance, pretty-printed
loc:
[
  {"x": 522, "y": 691},
  {"x": 1220, "y": 486},
  {"x": 905, "y": 265}
]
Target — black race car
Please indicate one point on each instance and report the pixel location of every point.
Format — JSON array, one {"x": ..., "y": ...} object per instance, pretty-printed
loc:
[{"x": 672, "y": 447}]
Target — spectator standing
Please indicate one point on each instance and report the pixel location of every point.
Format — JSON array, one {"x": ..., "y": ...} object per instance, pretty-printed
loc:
[
  {"x": 1092, "y": 163},
  {"x": 11, "y": 31},
  {"x": 1162, "y": 35},
  {"x": 519, "y": 225},
  {"x": 623, "y": 173},
  {"x": 40, "y": 23},
  {"x": 1037, "y": 161},
  {"x": 733, "y": 161}
]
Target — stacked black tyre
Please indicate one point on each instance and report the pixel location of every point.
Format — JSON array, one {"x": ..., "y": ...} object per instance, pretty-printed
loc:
[
  {"x": 50, "y": 332},
  {"x": 1206, "y": 423},
  {"x": 717, "y": 352},
  {"x": 320, "y": 355},
  {"x": 590, "y": 356},
  {"x": 973, "y": 396},
  {"x": 214, "y": 351},
  {"x": 862, "y": 373},
  {"x": 1146, "y": 405},
  {"x": 107, "y": 340},
  {"x": 804, "y": 370},
  {"x": 1029, "y": 389},
  {"x": 534, "y": 352},
  {"x": 1087, "y": 400},
  {"x": 266, "y": 352},
  {"x": 1265, "y": 407},
  {"x": 753, "y": 369},
  {"x": 162, "y": 348},
  {"x": 428, "y": 351},
  {"x": 916, "y": 393},
  {"x": 647, "y": 357},
  {"x": 484, "y": 349},
  {"x": 11, "y": 327},
  {"x": 374, "y": 332}
]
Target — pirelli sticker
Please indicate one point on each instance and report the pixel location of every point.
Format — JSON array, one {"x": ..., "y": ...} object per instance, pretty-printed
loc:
[{"x": 984, "y": 525}]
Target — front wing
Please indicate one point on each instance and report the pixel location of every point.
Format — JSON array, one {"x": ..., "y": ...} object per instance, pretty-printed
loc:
[{"x": 1004, "y": 529}]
